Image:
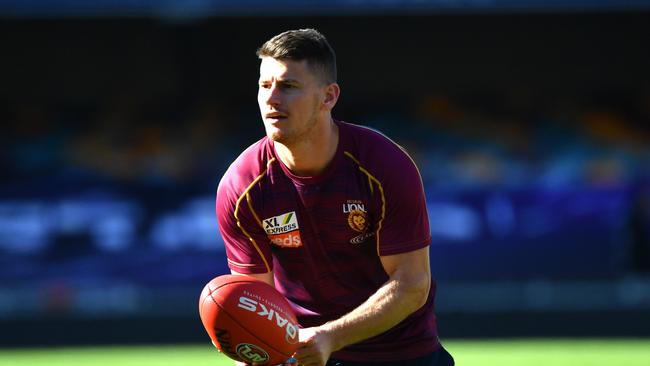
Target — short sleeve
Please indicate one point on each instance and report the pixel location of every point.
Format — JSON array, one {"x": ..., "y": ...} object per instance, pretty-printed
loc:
[
  {"x": 405, "y": 224},
  {"x": 247, "y": 246}
]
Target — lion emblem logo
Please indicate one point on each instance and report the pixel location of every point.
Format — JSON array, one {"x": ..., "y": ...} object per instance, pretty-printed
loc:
[{"x": 358, "y": 220}]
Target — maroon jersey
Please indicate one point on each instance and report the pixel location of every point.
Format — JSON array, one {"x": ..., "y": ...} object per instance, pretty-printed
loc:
[{"x": 323, "y": 236}]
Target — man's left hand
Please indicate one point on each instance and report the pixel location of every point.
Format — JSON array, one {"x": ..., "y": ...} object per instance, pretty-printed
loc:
[{"x": 315, "y": 348}]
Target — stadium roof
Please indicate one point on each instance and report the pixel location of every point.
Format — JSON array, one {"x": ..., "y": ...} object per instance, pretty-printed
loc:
[{"x": 216, "y": 8}]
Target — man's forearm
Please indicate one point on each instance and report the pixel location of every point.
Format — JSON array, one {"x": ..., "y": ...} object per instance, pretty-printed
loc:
[{"x": 387, "y": 307}]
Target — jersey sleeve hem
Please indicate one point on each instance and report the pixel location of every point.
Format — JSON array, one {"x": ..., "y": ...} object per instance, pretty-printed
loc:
[
  {"x": 246, "y": 268},
  {"x": 405, "y": 247}
]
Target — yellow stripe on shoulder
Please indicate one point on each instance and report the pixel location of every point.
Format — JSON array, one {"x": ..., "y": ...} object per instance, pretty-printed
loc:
[
  {"x": 246, "y": 195},
  {"x": 372, "y": 179}
]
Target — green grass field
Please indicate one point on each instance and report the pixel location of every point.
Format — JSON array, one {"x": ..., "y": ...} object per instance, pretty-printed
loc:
[{"x": 569, "y": 352}]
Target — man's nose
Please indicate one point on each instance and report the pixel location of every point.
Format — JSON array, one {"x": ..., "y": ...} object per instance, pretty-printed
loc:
[{"x": 273, "y": 95}]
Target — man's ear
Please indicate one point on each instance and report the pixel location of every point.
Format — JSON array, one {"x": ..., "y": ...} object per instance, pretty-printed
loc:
[{"x": 332, "y": 92}]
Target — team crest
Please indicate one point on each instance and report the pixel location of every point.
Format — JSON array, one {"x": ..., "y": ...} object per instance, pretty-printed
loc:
[{"x": 358, "y": 220}]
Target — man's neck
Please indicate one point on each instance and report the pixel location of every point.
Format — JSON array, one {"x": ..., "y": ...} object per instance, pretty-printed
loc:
[{"x": 310, "y": 156}]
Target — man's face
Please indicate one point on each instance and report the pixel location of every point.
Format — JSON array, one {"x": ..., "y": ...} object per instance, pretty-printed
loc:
[{"x": 290, "y": 99}]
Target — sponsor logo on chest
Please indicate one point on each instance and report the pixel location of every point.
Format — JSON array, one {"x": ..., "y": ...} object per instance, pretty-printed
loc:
[{"x": 283, "y": 230}]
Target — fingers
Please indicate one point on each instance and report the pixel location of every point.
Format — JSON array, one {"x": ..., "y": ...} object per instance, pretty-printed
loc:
[
  {"x": 309, "y": 357},
  {"x": 290, "y": 362},
  {"x": 314, "y": 349}
]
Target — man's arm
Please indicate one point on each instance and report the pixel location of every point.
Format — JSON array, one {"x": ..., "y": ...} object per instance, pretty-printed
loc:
[{"x": 406, "y": 290}]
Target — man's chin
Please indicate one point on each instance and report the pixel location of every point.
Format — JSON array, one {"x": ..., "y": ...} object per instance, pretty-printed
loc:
[{"x": 276, "y": 136}]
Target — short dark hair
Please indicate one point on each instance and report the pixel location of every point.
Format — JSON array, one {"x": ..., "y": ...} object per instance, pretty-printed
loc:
[{"x": 303, "y": 44}]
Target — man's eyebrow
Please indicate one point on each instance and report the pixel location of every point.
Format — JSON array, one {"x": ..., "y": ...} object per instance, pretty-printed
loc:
[
  {"x": 289, "y": 81},
  {"x": 281, "y": 81}
]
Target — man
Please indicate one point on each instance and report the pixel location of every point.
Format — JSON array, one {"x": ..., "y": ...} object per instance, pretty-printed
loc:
[{"x": 334, "y": 216}]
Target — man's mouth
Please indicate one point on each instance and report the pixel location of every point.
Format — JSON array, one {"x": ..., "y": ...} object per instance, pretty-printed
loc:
[{"x": 275, "y": 116}]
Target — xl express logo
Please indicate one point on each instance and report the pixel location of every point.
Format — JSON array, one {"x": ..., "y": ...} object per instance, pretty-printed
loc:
[{"x": 283, "y": 230}]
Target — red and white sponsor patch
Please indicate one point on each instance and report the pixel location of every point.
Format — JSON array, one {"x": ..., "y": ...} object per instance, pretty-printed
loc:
[{"x": 283, "y": 230}]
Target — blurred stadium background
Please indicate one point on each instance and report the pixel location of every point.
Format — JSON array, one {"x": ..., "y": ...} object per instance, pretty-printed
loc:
[{"x": 530, "y": 121}]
